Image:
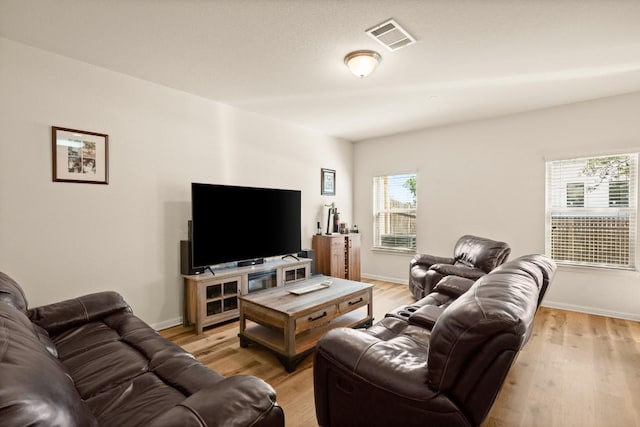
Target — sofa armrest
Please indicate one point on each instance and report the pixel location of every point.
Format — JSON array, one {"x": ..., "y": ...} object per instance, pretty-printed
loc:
[
  {"x": 428, "y": 260},
  {"x": 456, "y": 270},
  {"x": 63, "y": 315},
  {"x": 397, "y": 364},
  {"x": 426, "y": 316},
  {"x": 453, "y": 286},
  {"x": 240, "y": 400}
]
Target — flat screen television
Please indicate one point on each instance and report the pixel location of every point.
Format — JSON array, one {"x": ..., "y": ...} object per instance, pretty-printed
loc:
[{"x": 232, "y": 223}]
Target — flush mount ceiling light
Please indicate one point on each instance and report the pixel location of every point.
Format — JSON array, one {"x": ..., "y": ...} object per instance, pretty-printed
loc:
[{"x": 362, "y": 62}]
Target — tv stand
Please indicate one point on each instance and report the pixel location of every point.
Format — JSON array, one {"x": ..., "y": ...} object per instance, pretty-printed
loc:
[
  {"x": 249, "y": 262},
  {"x": 212, "y": 298}
]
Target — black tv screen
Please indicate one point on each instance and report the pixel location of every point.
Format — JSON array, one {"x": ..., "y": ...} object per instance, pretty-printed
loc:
[{"x": 232, "y": 223}]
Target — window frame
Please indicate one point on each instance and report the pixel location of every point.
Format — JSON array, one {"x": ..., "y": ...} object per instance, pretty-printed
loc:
[
  {"x": 602, "y": 213},
  {"x": 411, "y": 238}
]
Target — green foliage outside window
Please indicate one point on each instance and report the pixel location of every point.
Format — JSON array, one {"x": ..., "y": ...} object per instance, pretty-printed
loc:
[
  {"x": 611, "y": 168},
  {"x": 410, "y": 184}
]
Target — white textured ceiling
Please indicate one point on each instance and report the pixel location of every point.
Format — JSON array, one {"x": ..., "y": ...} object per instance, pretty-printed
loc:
[{"x": 283, "y": 58}]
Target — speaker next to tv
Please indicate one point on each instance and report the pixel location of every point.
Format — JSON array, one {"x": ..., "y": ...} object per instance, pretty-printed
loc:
[
  {"x": 186, "y": 260},
  {"x": 311, "y": 254}
]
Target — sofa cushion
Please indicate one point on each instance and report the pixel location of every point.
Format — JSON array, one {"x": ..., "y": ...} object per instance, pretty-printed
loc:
[
  {"x": 104, "y": 367},
  {"x": 479, "y": 252},
  {"x": 540, "y": 267},
  {"x": 63, "y": 315},
  {"x": 134, "y": 402},
  {"x": 126, "y": 371},
  {"x": 35, "y": 389}
]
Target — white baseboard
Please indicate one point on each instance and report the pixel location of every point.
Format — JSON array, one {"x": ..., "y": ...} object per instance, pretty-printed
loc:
[
  {"x": 167, "y": 324},
  {"x": 551, "y": 304},
  {"x": 592, "y": 310},
  {"x": 385, "y": 279}
]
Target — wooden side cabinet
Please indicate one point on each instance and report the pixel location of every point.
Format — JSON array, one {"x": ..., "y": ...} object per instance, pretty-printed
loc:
[{"x": 338, "y": 255}]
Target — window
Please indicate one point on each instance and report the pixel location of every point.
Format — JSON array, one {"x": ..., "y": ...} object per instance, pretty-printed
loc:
[
  {"x": 575, "y": 195},
  {"x": 619, "y": 194},
  {"x": 591, "y": 210},
  {"x": 394, "y": 212}
]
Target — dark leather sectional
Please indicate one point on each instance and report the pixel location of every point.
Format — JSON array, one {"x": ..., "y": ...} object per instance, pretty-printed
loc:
[
  {"x": 89, "y": 361},
  {"x": 443, "y": 363}
]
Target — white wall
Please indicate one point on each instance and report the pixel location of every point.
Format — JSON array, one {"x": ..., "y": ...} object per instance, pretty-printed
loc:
[
  {"x": 61, "y": 240},
  {"x": 487, "y": 178}
]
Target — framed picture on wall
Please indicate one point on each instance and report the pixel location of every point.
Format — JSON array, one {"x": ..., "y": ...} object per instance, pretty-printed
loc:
[
  {"x": 328, "y": 182},
  {"x": 80, "y": 156}
]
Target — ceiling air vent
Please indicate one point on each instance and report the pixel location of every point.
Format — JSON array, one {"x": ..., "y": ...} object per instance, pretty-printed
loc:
[{"x": 391, "y": 35}]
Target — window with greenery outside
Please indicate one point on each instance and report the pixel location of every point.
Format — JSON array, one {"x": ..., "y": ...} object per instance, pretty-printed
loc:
[
  {"x": 394, "y": 212},
  {"x": 591, "y": 210}
]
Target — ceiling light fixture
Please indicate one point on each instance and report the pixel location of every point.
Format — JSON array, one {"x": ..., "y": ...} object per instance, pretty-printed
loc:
[{"x": 362, "y": 62}]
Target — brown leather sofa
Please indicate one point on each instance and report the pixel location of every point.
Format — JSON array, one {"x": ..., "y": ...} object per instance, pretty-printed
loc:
[
  {"x": 473, "y": 257},
  {"x": 407, "y": 372},
  {"x": 89, "y": 361},
  {"x": 427, "y": 310}
]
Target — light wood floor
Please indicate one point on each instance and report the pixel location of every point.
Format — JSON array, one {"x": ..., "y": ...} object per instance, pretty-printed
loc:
[{"x": 576, "y": 370}]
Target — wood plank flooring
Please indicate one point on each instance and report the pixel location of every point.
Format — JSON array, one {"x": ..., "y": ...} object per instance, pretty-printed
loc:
[{"x": 576, "y": 370}]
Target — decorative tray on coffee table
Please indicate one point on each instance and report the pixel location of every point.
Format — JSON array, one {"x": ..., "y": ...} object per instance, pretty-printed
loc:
[{"x": 311, "y": 288}]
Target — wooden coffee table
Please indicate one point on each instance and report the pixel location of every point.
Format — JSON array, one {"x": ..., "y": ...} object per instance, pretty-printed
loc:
[{"x": 291, "y": 324}]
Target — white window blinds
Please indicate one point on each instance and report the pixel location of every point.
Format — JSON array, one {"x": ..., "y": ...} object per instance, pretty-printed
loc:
[
  {"x": 394, "y": 212},
  {"x": 591, "y": 210}
]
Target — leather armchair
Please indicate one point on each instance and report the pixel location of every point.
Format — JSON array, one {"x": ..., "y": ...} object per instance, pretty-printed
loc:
[{"x": 473, "y": 257}]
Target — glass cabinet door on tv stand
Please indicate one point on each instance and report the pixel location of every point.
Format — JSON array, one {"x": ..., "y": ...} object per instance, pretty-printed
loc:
[{"x": 219, "y": 299}]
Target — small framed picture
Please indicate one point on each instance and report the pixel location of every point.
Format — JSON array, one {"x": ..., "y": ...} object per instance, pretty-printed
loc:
[
  {"x": 80, "y": 156},
  {"x": 328, "y": 182}
]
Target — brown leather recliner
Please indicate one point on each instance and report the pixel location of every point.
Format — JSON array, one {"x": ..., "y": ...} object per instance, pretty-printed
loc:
[
  {"x": 401, "y": 373},
  {"x": 89, "y": 361},
  {"x": 473, "y": 257}
]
